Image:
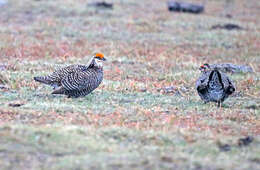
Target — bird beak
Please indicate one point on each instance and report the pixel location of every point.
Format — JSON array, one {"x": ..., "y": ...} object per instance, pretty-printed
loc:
[{"x": 104, "y": 59}]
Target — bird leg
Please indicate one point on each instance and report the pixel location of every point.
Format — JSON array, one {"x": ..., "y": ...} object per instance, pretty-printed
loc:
[
  {"x": 59, "y": 90},
  {"x": 55, "y": 86},
  {"x": 220, "y": 105}
]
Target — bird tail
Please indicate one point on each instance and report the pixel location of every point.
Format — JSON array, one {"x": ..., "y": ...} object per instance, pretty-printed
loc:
[
  {"x": 230, "y": 90},
  {"x": 60, "y": 90},
  {"x": 43, "y": 80}
]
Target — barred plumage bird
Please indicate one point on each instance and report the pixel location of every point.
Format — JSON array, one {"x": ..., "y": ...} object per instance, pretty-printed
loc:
[
  {"x": 76, "y": 80},
  {"x": 213, "y": 85}
]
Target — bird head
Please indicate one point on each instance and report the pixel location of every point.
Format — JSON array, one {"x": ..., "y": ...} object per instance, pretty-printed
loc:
[
  {"x": 99, "y": 56},
  {"x": 205, "y": 67},
  {"x": 97, "y": 60}
]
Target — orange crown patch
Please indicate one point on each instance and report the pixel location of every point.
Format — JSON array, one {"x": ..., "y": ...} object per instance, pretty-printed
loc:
[{"x": 99, "y": 55}]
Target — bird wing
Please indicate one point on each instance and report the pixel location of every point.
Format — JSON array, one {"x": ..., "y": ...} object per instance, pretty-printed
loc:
[
  {"x": 59, "y": 74},
  {"x": 227, "y": 82},
  {"x": 231, "y": 84},
  {"x": 77, "y": 80},
  {"x": 202, "y": 81}
]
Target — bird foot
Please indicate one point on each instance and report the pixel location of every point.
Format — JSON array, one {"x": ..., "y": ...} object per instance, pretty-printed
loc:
[{"x": 55, "y": 86}]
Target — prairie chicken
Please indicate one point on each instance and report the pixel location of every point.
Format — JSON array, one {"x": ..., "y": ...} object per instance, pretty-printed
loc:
[
  {"x": 76, "y": 80},
  {"x": 213, "y": 85}
]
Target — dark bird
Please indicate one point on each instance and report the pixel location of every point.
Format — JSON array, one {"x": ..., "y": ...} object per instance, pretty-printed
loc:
[
  {"x": 76, "y": 80},
  {"x": 213, "y": 85}
]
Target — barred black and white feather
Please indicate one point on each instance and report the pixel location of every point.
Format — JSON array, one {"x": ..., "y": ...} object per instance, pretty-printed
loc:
[
  {"x": 75, "y": 80},
  {"x": 214, "y": 86},
  {"x": 56, "y": 77}
]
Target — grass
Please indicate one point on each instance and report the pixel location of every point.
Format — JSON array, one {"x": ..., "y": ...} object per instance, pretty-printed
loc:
[
  {"x": 116, "y": 147},
  {"x": 129, "y": 122}
]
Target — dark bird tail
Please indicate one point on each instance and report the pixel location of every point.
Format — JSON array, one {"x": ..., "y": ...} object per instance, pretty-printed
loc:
[
  {"x": 230, "y": 90},
  {"x": 43, "y": 80}
]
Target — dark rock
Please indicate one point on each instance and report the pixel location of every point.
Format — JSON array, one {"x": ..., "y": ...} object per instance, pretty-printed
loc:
[
  {"x": 4, "y": 87},
  {"x": 227, "y": 27},
  {"x": 103, "y": 5},
  {"x": 166, "y": 159},
  {"x": 256, "y": 160},
  {"x": 161, "y": 78},
  {"x": 185, "y": 7},
  {"x": 15, "y": 104},
  {"x": 143, "y": 89},
  {"x": 253, "y": 106},
  {"x": 224, "y": 147},
  {"x": 245, "y": 141},
  {"x": 229, "y": 16}
]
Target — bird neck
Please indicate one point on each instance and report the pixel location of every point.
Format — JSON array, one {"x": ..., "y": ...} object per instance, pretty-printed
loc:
[
  {"x": 94, "y": 63},
  {"x": 97, "y": 63}
]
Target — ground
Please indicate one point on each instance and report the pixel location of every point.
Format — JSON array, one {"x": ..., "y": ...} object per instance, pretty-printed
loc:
[{"x": 130, "y": 121}]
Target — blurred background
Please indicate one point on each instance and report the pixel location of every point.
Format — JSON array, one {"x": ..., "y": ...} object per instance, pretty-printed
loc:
[{"x": 146, "y": 114}]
